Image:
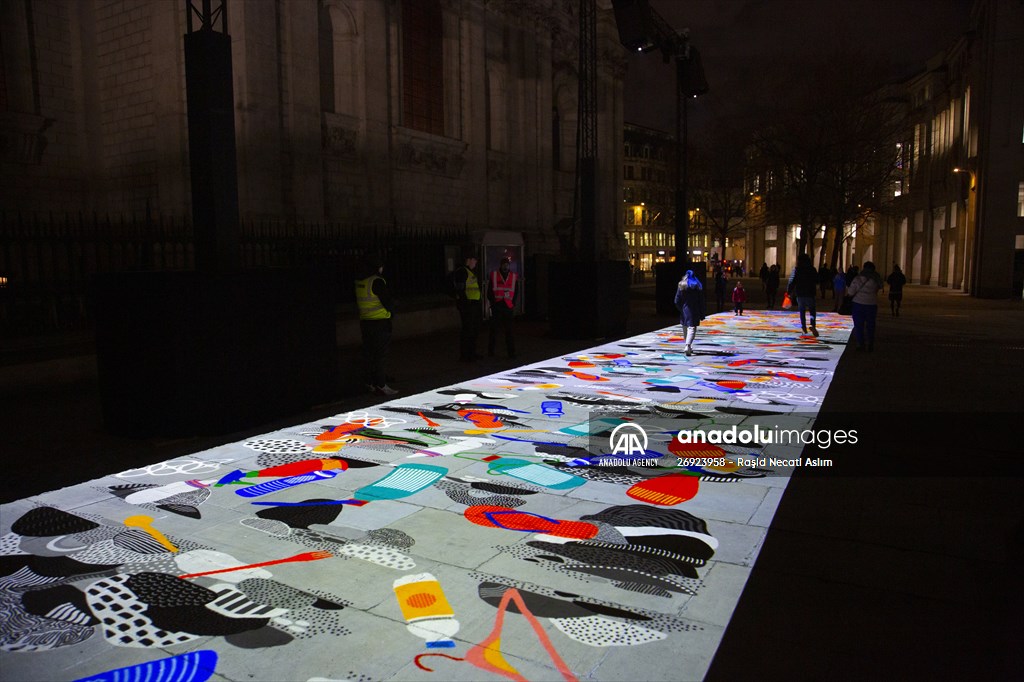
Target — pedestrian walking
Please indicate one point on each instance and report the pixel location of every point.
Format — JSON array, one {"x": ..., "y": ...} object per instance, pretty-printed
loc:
[
  {"x": 824, "y": 280},
  {"x": 763, "y": 275},
  {"x": 720, "y": 285},
  {"x": 838, "y": 289},
  {"x": 690, "y": 303},
  {"x": 896, "y": 281},
  {"x": 864, "y": 290},
  {"x": 803, "y": 286},
  {"x": 502, "y": 294},
  {"x": 375, "y": 308},
  {"x": 739, "y": 297},
  {"x": 468, "y": 302},
  {"x": 771, "y": 285},
  {"x": 851, "y": 274}
]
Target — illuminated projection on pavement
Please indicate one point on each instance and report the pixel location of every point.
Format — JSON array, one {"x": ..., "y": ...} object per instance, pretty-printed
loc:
[{"x": 501, "y": 528}]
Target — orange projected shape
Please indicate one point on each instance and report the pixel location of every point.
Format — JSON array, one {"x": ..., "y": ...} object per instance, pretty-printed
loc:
[
  {"x": 429, "y": 421},
  {"x": 420, "y": 596},
  {"x": 145, "y": 523},
  {"x": 340, "y": 431},
  {"x": 666, "y": 490},
  {"x": 481, "y": 419},
  {"x": 577, "y": 363},
  {"x": 694, "y": 449},
  {"x": 329, "y": 447},
  {"x": 420, "y": 600},
  {"x": 487, "y": 654},
  {"x": 525, "y": 522},
  {"x": 731, "y": 383},
  {"x": 586, "y": 377}
]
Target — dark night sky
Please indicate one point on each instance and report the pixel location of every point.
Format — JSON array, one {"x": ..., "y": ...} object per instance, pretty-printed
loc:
[{"x": 745, "y": 43}]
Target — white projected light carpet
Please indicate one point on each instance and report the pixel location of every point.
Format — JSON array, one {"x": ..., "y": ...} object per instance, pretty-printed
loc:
[{"x": 507, "y": 527}]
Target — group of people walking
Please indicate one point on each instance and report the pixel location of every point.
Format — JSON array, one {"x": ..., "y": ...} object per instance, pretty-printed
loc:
[
  {"x": 855, "y": 291},
  {"x": 857, "y": 287}
]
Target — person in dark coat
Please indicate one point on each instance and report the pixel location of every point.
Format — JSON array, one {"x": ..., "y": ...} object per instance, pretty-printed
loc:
[
  {"x": 771, "y": 285},
  {"x": 468, "y": 301},
  {"x": 838, "y": 290},
  {"x": 690, "y": 303},
  {"x": 720, "y": 286},
  {"x": 375, "y": 306},
  {"x": 803, "y": 286},
  {"x": 896, "y": 281},
  {"x": 824, "y": 280}
]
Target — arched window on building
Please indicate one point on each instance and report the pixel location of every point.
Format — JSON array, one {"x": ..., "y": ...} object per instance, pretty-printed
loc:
[
  {"x": 339, "y": 85},
  {"x": 423, "y": 66}
]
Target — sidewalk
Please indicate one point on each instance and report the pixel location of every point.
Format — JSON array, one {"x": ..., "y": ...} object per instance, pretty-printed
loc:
[{"x": 903, "y": 577}]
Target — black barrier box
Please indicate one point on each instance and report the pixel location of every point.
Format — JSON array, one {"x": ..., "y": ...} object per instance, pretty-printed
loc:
[
  {"x": 588, "y": 300},
  {"x": 186, "y": 353}
]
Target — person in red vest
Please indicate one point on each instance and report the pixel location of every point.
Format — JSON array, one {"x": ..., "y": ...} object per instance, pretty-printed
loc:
[{"x": 502, "y": 292}]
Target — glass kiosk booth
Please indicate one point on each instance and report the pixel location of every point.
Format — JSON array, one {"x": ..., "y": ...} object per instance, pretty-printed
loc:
[{"x": 491, "y": 246}]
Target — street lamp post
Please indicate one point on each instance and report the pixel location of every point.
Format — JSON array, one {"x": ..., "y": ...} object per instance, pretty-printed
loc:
[{"x": 969, "y": 241}]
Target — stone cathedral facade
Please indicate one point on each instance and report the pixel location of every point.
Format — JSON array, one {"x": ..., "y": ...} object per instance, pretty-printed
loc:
[{"x": 368, "y": 112}]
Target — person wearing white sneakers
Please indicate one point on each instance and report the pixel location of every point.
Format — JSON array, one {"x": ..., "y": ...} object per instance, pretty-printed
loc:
[{"x": 690, "y": 303}]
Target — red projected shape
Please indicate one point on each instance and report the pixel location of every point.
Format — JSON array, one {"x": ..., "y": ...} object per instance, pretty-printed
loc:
[
  {"x": 482, "y": 419},
  {"x": 525, "y": 522},
  {"x": 667, "y": 490}
]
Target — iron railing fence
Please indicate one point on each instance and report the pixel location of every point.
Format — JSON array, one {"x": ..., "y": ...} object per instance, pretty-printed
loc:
[{"x": 47, "y": 262}]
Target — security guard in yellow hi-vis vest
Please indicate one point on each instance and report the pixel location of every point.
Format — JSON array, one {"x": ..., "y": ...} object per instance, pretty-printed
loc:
[
  {"x": 375, "y": 305},
  {"x": 468, "y": 301}
]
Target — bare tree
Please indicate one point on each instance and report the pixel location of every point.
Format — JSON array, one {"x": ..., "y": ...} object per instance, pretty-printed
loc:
[
  {"x": 717, "y": 187},
  {"x": 828, "y": 152}
]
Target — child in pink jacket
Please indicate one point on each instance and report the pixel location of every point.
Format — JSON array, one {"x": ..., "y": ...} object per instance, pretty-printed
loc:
[{"x": 739, "y": 297}]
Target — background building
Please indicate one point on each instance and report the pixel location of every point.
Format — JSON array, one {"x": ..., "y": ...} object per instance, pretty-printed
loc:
[
  {"x": 373, "y": 115},
  {"x": 958, "y": 212},
  {"x": 648, "y": 198},
  {"x": 952, "y": 211}
]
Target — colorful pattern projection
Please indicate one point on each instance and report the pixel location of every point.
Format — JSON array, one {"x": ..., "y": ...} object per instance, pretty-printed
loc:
[{"x": 477, "y": 531}]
